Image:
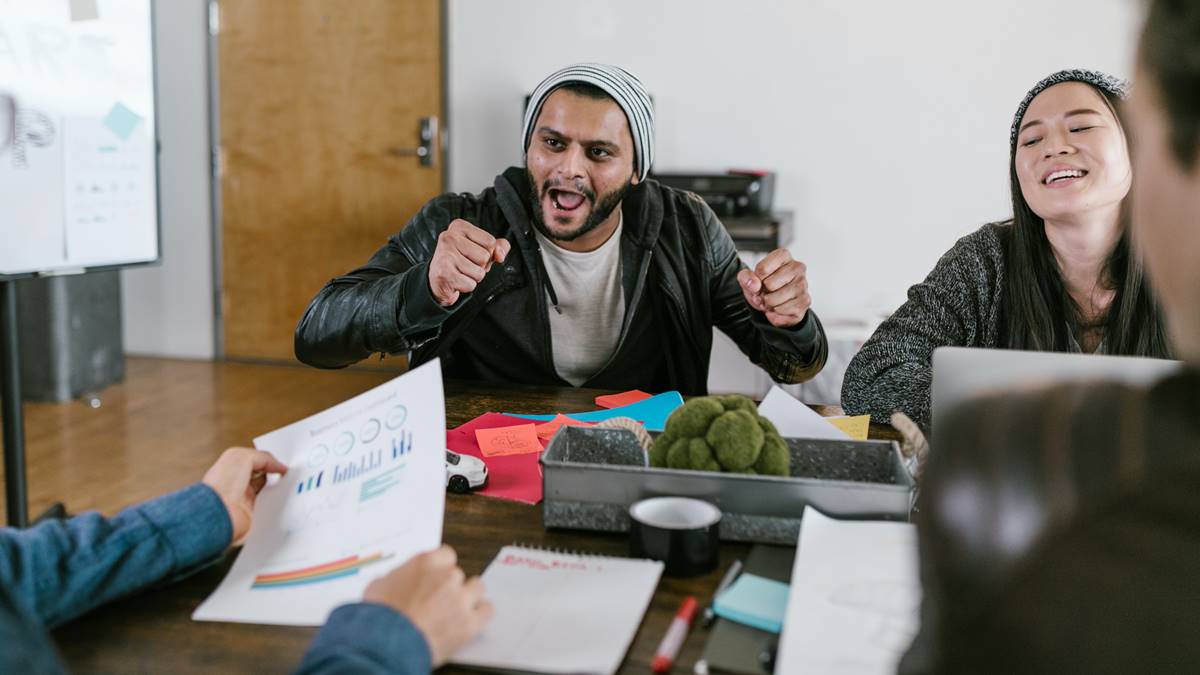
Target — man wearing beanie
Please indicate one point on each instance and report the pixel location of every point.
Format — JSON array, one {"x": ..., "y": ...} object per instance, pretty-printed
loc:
[{"x": 574, "y": 269}]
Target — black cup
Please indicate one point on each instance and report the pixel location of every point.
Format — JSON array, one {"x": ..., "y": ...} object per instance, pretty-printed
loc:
[{"x": 680, "y": 531}]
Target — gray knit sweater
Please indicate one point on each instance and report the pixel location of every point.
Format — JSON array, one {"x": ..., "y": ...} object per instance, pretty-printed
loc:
[{"x": 958, "y": 304}]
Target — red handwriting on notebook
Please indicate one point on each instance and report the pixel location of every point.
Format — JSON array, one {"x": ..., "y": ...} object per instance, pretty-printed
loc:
[
  {"x": 500, "y": 441},
  {"x": 511, "y": 560}
]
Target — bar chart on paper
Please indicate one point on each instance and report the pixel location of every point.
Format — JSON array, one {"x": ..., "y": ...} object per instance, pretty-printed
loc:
[{"x": 364, "y": 494}]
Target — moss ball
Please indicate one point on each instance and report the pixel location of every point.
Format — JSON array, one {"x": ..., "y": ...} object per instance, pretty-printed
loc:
[
  {"x": 767, "y": 426},
  {"x": 677, "y": 454},
  {"x": 692, "y": 419},
  {"x": 658, "y": 450},
  {"x": 774, "y": 460},
  {"x": 700, "y": 456},
  {"x": 737, "y": 439},
  {"x": 738, "y": 402}
]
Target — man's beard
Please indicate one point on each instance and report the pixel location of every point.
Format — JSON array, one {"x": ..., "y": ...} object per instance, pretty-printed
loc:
[{"x": 600, "y": 210}]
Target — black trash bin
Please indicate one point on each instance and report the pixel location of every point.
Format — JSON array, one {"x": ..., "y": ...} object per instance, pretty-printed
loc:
[{"x": 70, "y": 335}]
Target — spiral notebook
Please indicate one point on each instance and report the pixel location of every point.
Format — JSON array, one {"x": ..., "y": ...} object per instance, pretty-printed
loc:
[{"x": 561, "y": 612}]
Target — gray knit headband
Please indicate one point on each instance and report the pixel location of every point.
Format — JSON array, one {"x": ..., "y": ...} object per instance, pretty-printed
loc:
[
  {"x": 623, "y": 87},
  {"x": 1102, "y": 81}
]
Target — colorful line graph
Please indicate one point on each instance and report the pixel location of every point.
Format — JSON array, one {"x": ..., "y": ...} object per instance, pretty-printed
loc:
[{"x": 336, "y": 569}]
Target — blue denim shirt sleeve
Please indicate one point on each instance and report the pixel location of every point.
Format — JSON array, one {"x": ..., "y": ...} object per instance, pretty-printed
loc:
[
  {"x": 60, "y": 569},
  {"x": 365, "y": 638}
]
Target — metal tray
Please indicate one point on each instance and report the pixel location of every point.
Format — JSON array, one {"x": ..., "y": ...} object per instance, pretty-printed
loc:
[{"x": 591, "y": 476}]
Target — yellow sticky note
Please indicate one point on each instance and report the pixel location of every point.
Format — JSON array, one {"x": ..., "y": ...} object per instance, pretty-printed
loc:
[{"x": 855, "y": 427}]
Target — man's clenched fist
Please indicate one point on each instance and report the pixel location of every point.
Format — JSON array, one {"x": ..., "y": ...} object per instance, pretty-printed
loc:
[
  {"x": 778, "y": 287},
  {"x": 464, "y": 254}
]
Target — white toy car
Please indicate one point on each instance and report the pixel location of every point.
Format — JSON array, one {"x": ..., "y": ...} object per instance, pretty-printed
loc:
[{"x": 464, "y": 473}]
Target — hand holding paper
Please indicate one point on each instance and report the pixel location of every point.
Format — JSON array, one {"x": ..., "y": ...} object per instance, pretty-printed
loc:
[
  {"x": 237, "y": 477},
  {"x": 432, "y": 591}
]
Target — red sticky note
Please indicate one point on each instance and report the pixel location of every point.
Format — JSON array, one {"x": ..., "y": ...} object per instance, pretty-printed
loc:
[
  {"x": 500, "y": 441},
  {"x": 611, "y": 401},
  {"x": 546, "y": 430},
  {"x": 516, "y": 478}
]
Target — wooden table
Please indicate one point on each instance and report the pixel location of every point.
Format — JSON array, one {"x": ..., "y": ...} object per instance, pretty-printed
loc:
[{"x": 167, "y": 423}]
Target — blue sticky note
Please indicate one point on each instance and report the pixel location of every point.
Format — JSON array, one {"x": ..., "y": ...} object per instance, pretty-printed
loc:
[
  {"x": 652, "y": 412},
  {"x": 754, "y": 601},
  {"x": 122, "y": 121}
]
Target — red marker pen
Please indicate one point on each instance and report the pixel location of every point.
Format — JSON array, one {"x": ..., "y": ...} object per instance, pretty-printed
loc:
[{"x": 668, "y": 649}]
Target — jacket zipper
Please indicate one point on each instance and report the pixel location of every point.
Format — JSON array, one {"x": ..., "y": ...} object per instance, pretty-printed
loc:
[{"x": 678, "y": 306}]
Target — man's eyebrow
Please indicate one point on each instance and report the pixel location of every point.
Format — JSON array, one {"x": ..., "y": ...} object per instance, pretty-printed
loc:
[
  {"x": 592, "y": 143},
  {"x": 1072, "y": 113}
]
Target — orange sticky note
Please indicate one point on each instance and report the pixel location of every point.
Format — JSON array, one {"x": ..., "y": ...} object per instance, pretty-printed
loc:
[
  {"x": 500, "y": 441},
  {"x": 855, "y": 427},
  {"x": 546, "y": 430},
  {"x": 611, "y": 401}
]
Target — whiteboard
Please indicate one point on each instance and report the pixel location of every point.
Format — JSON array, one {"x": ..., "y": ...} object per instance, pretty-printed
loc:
[{"x": 79, "y": 177}]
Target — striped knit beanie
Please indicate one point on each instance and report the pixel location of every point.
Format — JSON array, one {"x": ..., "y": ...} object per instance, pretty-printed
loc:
[
  {"x": 1114, "y": 86},
  {"x": 623, "y": 87}
]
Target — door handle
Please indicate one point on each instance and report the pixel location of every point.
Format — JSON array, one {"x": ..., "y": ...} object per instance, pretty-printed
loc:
[{"x": 427, "y": 130}]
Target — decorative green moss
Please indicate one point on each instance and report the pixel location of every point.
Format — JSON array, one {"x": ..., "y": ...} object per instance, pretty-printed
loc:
[{"x": 721, "y": 433}]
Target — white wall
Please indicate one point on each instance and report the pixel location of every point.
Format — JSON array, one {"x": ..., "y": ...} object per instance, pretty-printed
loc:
[
  {"x": 886, "y": 121},
  {"x": 168, "y": 309}
]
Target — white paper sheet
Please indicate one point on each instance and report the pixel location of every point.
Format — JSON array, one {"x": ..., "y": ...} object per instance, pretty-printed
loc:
[
  {"x": 855, "y": 597},
  {"x": 561, "y": 612},
  {"x": 793, "y": 419},
  {"x": 365, "y": 490}
]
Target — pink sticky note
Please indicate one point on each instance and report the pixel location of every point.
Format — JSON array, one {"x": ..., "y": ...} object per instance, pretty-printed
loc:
[
  {"x": 516, "y": 478},
  {"x": 546, "y": 430},
  {"x": 500, "y": 441},
  {"x": 611, "y": 401}
]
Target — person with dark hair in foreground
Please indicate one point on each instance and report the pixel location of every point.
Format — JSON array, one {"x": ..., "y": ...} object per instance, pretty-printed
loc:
[
  {"x": 409, "y": 621},
  {"x": 1059, "y": 276},
  {"x": 574, "y": 269},
  {"x": 1060, "y": 532}
]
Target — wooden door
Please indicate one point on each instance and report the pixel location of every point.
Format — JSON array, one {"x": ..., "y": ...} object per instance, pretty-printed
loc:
[{"x": 318, "y": 101}]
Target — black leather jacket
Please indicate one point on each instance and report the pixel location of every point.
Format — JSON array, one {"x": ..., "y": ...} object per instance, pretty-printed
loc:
[{"x": 679, "y": 269}]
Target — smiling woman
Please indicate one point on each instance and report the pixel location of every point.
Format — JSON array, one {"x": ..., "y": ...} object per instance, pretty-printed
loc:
[{"x": 1058, "y": 276}]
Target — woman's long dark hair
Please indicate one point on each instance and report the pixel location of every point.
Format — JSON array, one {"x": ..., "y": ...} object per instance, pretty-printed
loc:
[{"x": 1039, "y": 313}]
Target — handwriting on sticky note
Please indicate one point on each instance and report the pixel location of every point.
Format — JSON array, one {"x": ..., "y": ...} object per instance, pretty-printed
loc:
[
  {"x": 611, "y": 401},
  {"x": 547, "y": 430},
  {"x": 500, "y": 441},
  {"x": 855, "y": 427}
]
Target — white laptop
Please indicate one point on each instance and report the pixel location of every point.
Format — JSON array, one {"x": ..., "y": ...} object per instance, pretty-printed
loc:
[{"x": 961, "y": 373}]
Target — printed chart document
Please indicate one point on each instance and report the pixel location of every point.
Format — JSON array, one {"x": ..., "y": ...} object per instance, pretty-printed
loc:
[
  {"x": 855, "y": 597},
  {"x": 560, "y": 612},
  {"x": 365, "y": 490}
]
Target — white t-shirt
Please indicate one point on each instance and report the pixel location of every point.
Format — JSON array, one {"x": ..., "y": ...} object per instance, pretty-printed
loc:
[{"x": 588, "y": 286}]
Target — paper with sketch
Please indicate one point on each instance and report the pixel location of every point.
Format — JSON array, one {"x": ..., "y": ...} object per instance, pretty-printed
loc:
[
  {"x": 794, "y": 419},
  {"x": 855, "y": 597},
  {"x": 365, "y": 490}
]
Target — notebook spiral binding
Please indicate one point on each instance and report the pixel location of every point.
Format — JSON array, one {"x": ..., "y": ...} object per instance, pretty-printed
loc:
[{"x": 572, "y": 552}]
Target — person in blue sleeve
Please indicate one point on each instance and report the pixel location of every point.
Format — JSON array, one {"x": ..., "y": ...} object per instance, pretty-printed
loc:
[{"x": 409, "y": 621}]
